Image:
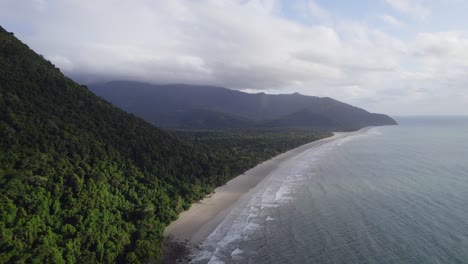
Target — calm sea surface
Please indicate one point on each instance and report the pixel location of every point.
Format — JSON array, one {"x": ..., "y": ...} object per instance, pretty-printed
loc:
[{"x": 392, "y": 195}]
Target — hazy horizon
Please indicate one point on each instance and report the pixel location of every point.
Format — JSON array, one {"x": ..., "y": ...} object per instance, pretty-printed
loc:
[{"x": 399, "y": 57}]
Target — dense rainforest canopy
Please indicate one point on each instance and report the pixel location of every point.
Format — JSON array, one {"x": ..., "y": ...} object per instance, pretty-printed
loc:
[{"x": 81, "y": 181}]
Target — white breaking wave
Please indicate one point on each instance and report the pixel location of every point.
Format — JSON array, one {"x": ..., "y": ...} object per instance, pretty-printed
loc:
[
  {"x": 253, "y": 210},
  {"x": 376, "y": 131}
]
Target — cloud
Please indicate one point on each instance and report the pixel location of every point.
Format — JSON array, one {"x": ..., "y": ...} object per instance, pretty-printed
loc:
[
  {"x": 412, "y": 8},
  {"x": 319, "y": 12},
  {"x": 446, "y": 45},
  {"x": 245, "y": 45},
  {"x": 443, "y": 57},
  {"x": 237, "y": 44},
  {"x": 390, "y": 20}
]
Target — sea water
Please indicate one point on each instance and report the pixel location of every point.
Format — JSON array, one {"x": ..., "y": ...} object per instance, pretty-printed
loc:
[{"x": 396, "y": 194}]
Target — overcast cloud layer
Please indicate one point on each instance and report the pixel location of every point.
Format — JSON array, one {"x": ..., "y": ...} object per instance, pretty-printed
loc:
[{"x": 402, "y": 57}]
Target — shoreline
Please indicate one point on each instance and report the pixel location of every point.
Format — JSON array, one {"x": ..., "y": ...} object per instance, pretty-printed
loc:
[{"x": 197, "y": 223}]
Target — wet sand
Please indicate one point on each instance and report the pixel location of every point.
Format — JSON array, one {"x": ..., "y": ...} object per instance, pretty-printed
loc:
[{"x": 197, "y": 223}]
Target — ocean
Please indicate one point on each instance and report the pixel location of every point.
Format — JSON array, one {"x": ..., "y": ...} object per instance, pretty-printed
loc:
[{"x": 396, "y": 194}]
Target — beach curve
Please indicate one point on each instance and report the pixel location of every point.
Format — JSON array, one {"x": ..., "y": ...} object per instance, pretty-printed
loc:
[{"x": 198, "y": 222}]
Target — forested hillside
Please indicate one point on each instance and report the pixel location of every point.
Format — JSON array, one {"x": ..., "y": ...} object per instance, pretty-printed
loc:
[
  {"x": 190, "y": 106},
  {"x": 81, "y": 181}
]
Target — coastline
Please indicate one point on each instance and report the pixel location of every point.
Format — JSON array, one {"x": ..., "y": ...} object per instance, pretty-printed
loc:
[{"x": 196, "y": 224}]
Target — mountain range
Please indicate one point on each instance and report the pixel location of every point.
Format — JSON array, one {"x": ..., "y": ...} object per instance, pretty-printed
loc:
[{"x": 209, "y": 107}]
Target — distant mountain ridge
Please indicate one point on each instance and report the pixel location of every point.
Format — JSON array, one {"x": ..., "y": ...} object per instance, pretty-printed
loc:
[{"x": 190, "y": 106}]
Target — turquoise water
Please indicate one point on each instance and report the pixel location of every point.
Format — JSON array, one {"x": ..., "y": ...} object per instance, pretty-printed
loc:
[{"x": 392, "y": 195}]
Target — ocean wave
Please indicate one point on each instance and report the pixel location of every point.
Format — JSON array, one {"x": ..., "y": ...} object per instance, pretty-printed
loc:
[{"x": 252, "y": 212}]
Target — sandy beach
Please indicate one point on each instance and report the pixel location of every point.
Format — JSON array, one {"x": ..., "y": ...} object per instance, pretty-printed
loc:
[{"x": 197, "y": 223}]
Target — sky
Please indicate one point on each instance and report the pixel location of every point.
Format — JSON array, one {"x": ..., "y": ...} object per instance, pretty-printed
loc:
[{"x": 400, "y": 57}]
